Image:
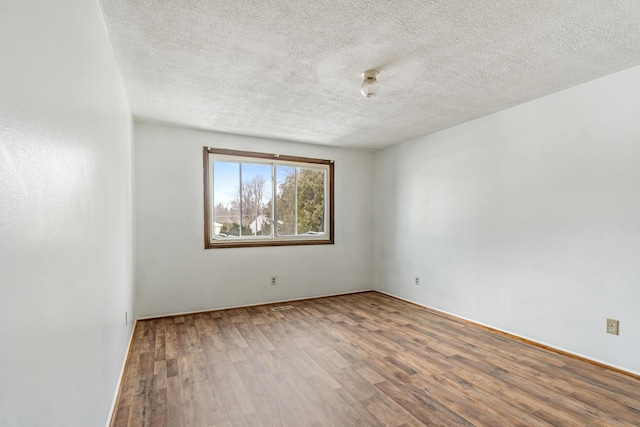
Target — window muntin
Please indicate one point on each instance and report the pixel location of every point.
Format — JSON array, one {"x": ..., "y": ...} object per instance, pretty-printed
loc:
[{"x": 259, "y": 199}]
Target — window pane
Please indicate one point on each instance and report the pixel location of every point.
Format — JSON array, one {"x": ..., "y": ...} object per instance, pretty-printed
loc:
[
  {"x": 285, "y": 200},
  {"x": 226, "y": 211},
  {"x": 256, "y": 200},
  {"x": 311, "y": 192},
  {"x": 261, "y": 199}
]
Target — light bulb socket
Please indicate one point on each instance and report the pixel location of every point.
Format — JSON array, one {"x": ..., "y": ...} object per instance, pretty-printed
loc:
[{"x": 370, "y": 85}]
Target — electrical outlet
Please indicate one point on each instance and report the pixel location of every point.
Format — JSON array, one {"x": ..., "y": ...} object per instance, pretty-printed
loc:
[
  {"x": 126, "y": 318},
  {"x": 612, "y": 326},
  {"x": 273, "y": 280},
  {"x": 417, "y": 281}
]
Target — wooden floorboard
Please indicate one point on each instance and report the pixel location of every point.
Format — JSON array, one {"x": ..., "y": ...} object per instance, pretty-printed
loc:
[{"x": 357, "y": 360}]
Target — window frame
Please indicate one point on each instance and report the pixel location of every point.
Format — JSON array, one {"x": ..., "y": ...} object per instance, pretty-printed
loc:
[{"x": 248, "y": 157}]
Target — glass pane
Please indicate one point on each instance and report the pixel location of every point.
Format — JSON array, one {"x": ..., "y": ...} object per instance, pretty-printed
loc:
[
  {"x": 311, "y": 201},
  {"x": 226, "y": 209},
  {"x": 285, "y": 200},
  {"x": 256, "y": 200}
]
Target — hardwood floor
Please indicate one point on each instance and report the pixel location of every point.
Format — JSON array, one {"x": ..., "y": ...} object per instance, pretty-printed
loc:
[{"x": 357, "y": 360}]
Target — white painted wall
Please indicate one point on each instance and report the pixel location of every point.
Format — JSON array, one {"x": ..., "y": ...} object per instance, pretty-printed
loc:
[
  {"x": 176, "y": 274},
  {"x": 527, "y": 220},
  {"x": 65, "y": 215}
]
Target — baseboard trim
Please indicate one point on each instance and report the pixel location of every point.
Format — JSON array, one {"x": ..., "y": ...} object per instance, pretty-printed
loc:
[
  {"x": 125, "y": 365},
  {"x": 516, "y": 337},
  {"x": 186, "y": 313}
]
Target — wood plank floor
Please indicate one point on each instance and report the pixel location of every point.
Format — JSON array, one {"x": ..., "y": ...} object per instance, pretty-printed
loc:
[{"x": 357, "y": 360}]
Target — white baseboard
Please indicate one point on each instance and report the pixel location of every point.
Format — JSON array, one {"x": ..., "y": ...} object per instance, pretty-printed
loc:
[
  {"x": 121, "y": 376},
  {"x": 253, "y": 305}
]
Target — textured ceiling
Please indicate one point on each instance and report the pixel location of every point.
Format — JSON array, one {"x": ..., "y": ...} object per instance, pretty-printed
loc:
[{"x": 291, "y": 69}]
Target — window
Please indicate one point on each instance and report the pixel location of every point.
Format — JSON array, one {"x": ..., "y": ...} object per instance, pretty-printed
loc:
[{"x": 260, "y": 199}]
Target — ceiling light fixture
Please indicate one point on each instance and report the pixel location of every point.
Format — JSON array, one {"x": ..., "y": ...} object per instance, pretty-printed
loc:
[{"x": 370, "y": 85}]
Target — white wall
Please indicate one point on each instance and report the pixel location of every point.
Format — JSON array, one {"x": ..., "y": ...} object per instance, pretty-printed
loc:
[
  {"x": 527, "y": 220},
  {"x": 65, "y": 215},
  {"x": 176, "y": 274}
]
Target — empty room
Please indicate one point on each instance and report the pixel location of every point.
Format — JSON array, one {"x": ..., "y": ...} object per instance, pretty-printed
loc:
[{"x": 319, "y": 213}]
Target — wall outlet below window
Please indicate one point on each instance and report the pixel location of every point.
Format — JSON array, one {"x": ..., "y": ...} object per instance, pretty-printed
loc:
[
  {"x": 273, "y": 281},
  {"x": 612, "y": 326},
  {"x": 417, "y": 281}
]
